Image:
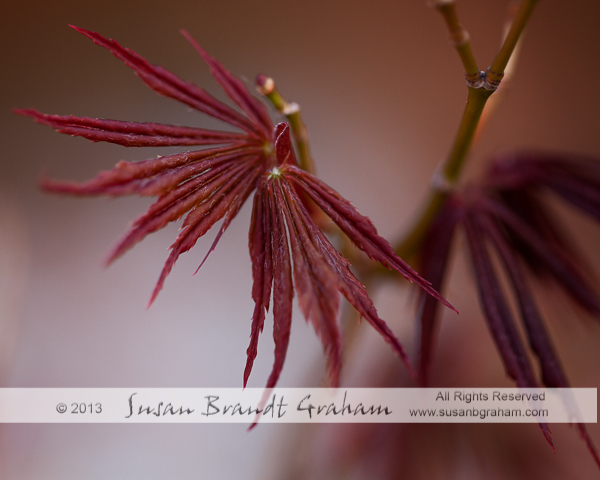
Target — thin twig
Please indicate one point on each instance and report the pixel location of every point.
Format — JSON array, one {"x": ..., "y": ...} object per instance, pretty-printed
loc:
[
  {"x": 496, "y": 70},
  {"x": 291, "y": 111},
  {"x": 460, "y": 38},
  {"x": 509, "y": 71}
]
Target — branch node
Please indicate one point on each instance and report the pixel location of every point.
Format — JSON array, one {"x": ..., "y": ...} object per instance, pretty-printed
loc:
[
  {"x": 290, "y": 108},
  {"x": 460, "y": 38},
  {"x": 475, "y": 80},
  {"x": 492, "y": 79},
  {"x": 440, "y": 183}
]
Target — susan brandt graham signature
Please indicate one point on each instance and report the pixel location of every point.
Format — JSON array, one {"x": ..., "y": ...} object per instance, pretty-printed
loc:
[{"x": 277, "y": 407}]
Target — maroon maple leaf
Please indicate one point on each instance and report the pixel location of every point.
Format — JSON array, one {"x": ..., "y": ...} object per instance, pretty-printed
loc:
[
  {"x": 506, "y": 215},
  {"x": 287, "y": 249}
]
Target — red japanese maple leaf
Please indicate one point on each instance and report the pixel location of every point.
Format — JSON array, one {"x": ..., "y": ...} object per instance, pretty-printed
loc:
[{"x": 288, "y": 250}]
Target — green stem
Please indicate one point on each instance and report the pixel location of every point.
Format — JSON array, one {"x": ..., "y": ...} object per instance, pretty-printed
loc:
[
  {"x": 460, "y": 37},
  {"x": 448, "y": 176},
  {"x": 479, "y": 92},
  {"x": 496, "y": 69},
  {"x": 291, "y": 111},
  {"x": 476, "y": 100}
]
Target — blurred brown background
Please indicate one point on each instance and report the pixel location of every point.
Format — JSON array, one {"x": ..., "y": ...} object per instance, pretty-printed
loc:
[{"x": 381, "y": 91}]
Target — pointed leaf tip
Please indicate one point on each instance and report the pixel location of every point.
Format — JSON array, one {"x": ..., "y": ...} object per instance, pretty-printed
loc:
[
  {"x": 28, "y": 112},
  {"x": 251, "y": 427},
  {"x": 235, "y": 90},
  {"x": 150, "y": 302},
  {"x": 168, "y": 84},
  {"x": 83, "y": 31}
]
